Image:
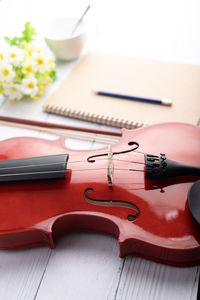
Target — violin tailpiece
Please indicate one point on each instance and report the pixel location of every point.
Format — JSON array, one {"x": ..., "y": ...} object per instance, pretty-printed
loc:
[{"x": 159, "y": 167}]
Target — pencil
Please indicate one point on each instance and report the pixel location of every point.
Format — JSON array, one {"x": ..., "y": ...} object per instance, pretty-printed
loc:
[{"x": 167, "y": 102}]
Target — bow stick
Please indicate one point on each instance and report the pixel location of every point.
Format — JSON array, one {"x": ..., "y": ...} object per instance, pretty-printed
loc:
[{"x": 60, "y": 129}]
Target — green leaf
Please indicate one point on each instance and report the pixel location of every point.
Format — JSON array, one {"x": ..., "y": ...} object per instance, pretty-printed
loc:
[
  {"x": 28, "y": 33},
  {"x": 37, "y": 75},
  {"x": 7, "y": 39},
  {"x": 16, "y": 41},
  {"x": 52, "y": 74},
  {"x": 27, "y": 36},
  {"x": 19, "y": 74}
]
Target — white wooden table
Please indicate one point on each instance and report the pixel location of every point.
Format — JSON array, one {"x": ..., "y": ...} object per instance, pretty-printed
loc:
[{"x": 87, "y": 266}]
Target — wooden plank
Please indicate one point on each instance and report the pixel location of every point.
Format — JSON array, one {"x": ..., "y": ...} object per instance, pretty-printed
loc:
[
  {"x": 143, "y": 279},
  {"x": 83, "y": 266},
  {"x": 21, "y": 272}
]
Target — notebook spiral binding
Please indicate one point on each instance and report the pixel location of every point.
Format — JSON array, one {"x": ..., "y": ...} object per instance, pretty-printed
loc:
[{"x": 105, "y": 120}]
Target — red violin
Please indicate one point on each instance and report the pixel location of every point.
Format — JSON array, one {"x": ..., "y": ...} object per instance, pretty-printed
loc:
[{"x": 143, "y": 190}]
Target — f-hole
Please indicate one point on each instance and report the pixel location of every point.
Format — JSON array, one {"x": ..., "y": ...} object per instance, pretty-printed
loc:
[
  {"x": 111, "y": 203},
  {"x": 91, "y": 159}
]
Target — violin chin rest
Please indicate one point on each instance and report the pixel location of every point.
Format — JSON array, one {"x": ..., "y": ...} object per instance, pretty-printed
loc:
[{"x": 194, "y": 201}]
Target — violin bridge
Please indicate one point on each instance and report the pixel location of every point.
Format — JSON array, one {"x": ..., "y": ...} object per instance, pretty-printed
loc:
[{"x": 110, "y": 167}]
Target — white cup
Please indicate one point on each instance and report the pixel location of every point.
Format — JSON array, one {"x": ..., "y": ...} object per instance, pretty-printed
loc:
[{"x": 65, "y": 45}]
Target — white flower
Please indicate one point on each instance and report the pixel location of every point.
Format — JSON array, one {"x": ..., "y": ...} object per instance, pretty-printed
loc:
[
  {"x": 1, "y": 56},
  {"x": 40, "y": 61},
  {"x": 3, "y": 50},
  {"x": 15, "y": 55},
  {"x": 29, "y": 66},
  {"x": 6, "y": 72},
  {"x": 29, "y": 50},
  {"x": 13, "y": 91},
  {"x": 29, "y": 86}
]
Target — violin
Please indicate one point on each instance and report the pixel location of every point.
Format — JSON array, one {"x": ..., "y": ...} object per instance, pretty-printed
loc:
[{"x": 143, "y": 190}]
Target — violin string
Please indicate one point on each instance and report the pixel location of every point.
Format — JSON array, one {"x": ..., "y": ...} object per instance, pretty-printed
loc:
[
  {"x": 129, "y": 152},
  {"x": 96, "y": 169},
  {"x": 130, "y": 161},
  {"x": 67, "y": 170},
  {"x": 86, "y": 160},
  {"x": 70, "y": 162},
  {"x": 35, "y": 165},
  {"x": 133, "y": 154},
  {"x": 114, "y": 159}
]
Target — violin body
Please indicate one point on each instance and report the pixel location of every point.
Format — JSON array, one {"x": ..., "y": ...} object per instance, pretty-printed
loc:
[{"x": 150, "y": 219}]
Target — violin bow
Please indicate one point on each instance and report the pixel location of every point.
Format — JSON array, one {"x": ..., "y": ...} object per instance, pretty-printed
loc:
[{"x": 61, "y": 129}]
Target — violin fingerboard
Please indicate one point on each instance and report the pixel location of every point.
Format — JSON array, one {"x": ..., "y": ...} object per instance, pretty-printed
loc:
[{"x": 34, "y": 168}]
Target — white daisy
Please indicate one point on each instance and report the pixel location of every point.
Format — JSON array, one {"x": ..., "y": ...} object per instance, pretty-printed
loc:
[
  {"x": 29, "y": 50},
  {"x": 29, "y": 66},
  {"x": 41, "y": 62},
  {"x": 29, "y": 86},
  {"x": 1, "y": 56},
  {"x": 13, "y": 91},
  {"x": 6, "y": 72},
  {"x": 3, "y": 47},
  {"x": 15, "y": 55}
]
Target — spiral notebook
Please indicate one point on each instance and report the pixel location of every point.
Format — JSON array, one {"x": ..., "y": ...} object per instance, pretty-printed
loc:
[{"x": 127, "y": 75}]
